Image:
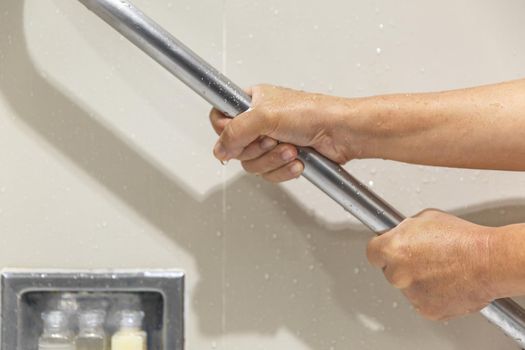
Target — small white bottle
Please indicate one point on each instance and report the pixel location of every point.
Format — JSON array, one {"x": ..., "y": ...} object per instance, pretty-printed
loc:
[
  {"x": 91, "y": 335},
  {"x": 130, "y": 335},
  {"x": 57, "y": 333}
]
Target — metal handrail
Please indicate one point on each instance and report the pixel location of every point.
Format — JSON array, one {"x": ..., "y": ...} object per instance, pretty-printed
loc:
[{"x": 226, "y": 96}]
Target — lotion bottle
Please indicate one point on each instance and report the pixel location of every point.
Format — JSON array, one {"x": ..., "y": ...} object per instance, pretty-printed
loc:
[{"x": 130, "y": 335}]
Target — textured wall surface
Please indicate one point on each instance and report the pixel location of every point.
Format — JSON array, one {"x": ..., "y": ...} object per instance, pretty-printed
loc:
[{"x": 106, "y": 160}]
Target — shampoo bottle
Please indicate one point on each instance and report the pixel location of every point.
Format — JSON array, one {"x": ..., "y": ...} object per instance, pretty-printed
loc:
[{"x": 130, "y": 335}]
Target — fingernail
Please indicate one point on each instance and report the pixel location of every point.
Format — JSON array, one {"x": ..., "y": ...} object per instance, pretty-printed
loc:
[
  {"x": 287, "y": 155},
  {"x": 296, "y": 169},
  {"x": 268, "y": 143},
  {"x": 220, "y": 151}
]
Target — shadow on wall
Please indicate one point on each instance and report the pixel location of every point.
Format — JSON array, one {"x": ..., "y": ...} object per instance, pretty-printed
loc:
[{"x": 266, "y": 285}]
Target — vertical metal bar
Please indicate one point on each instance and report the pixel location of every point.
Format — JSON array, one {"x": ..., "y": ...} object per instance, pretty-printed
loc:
[{"x": 224, "y": 95}]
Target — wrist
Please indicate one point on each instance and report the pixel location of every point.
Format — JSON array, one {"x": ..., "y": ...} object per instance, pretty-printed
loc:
[
  {"x": 506, "y": 260},
  {"x": 389, "y": 126}
]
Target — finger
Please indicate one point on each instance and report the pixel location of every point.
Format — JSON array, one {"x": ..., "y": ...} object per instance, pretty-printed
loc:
[
  {"x": 249, "y": 91},
  {"x": 471, "y": 310},
  {"x": 281, "y": 155},
  {"x": 240, "y": 132},
  {"x": 290, "y": 171},
  {"x": 412, "y": 296},
  {"x": 257, "y": 148},
  {"x": 218, "y": 120},
  {"x": 374, "y": 252},
  {"x": 397, "y": 279}
]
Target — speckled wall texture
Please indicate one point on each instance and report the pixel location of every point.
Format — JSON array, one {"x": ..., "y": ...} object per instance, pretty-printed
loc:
[{"x": 105, "y": 160}]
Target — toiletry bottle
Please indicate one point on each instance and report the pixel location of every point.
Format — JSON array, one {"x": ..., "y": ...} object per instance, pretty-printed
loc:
[
  {"x": 91, "y": 335},
  {"x": 57, "y": 333},
  {"x": 68, "y": 303},
  {"x": 130, "y": 335}
]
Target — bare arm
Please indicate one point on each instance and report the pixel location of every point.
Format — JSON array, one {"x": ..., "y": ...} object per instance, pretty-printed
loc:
[
  {"x": 482, "y": 127},
  {"x": 444, "y": 265}
]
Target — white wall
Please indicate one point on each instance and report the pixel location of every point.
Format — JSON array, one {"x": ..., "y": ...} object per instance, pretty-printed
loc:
[{"x": 106, "y": 160}]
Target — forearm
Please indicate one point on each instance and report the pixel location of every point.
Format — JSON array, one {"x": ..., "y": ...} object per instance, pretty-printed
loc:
[
  {"x": 481, "y": 127},
  {"x": 507, "y": 261}
]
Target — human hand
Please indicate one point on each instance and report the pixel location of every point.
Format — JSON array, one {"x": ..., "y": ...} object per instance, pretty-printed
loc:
[
  {"x": 441, "y": 263},
  {"x": 294, "y": 118}
]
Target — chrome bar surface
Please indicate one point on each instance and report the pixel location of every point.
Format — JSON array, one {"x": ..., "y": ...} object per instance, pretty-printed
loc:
[
  {"x": 509, "y": 316},
  {"x": 349, "y": 192},
  {"x": 226, "y": 96}
]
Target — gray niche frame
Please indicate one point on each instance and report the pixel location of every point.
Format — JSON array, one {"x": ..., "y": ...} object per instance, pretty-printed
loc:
[{"x": 14, "y": 283}]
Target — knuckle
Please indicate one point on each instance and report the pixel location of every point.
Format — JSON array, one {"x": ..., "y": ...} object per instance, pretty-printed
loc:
[
  {"x": 340, "y": 158},
  {"x": 397, "y": 249},
  {"x": 429, "y": 213},
  {"x": 395, "y": 244},
  {"x": 289, "y": 148},
  {"x": 285, "y": 149},
  {"x": 258, "y": 92},
  {"x": 407, "y": 225},
  {"x": 400, "y": 280},
  {"x": 262, "y": 86},
  {"x": 216, "y": 116},
  {"x": 230, "y": 132},
  {"x": 261, "y": 114},
  {"x": 393, "y": 277},
  {"x": 375, "y": 253},
  {"x": 389, "y": 250}
]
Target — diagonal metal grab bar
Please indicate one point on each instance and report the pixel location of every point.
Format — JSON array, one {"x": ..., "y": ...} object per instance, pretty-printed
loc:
[{"x": 223, "y": 94}]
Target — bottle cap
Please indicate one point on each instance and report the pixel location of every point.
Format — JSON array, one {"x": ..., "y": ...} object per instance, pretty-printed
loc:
[
  {"x": 68, "y": 303},
  {"x": 91, "y": 319},
  {"x": 55, "y": 320},
  {"x": 131, "y": 319}
]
